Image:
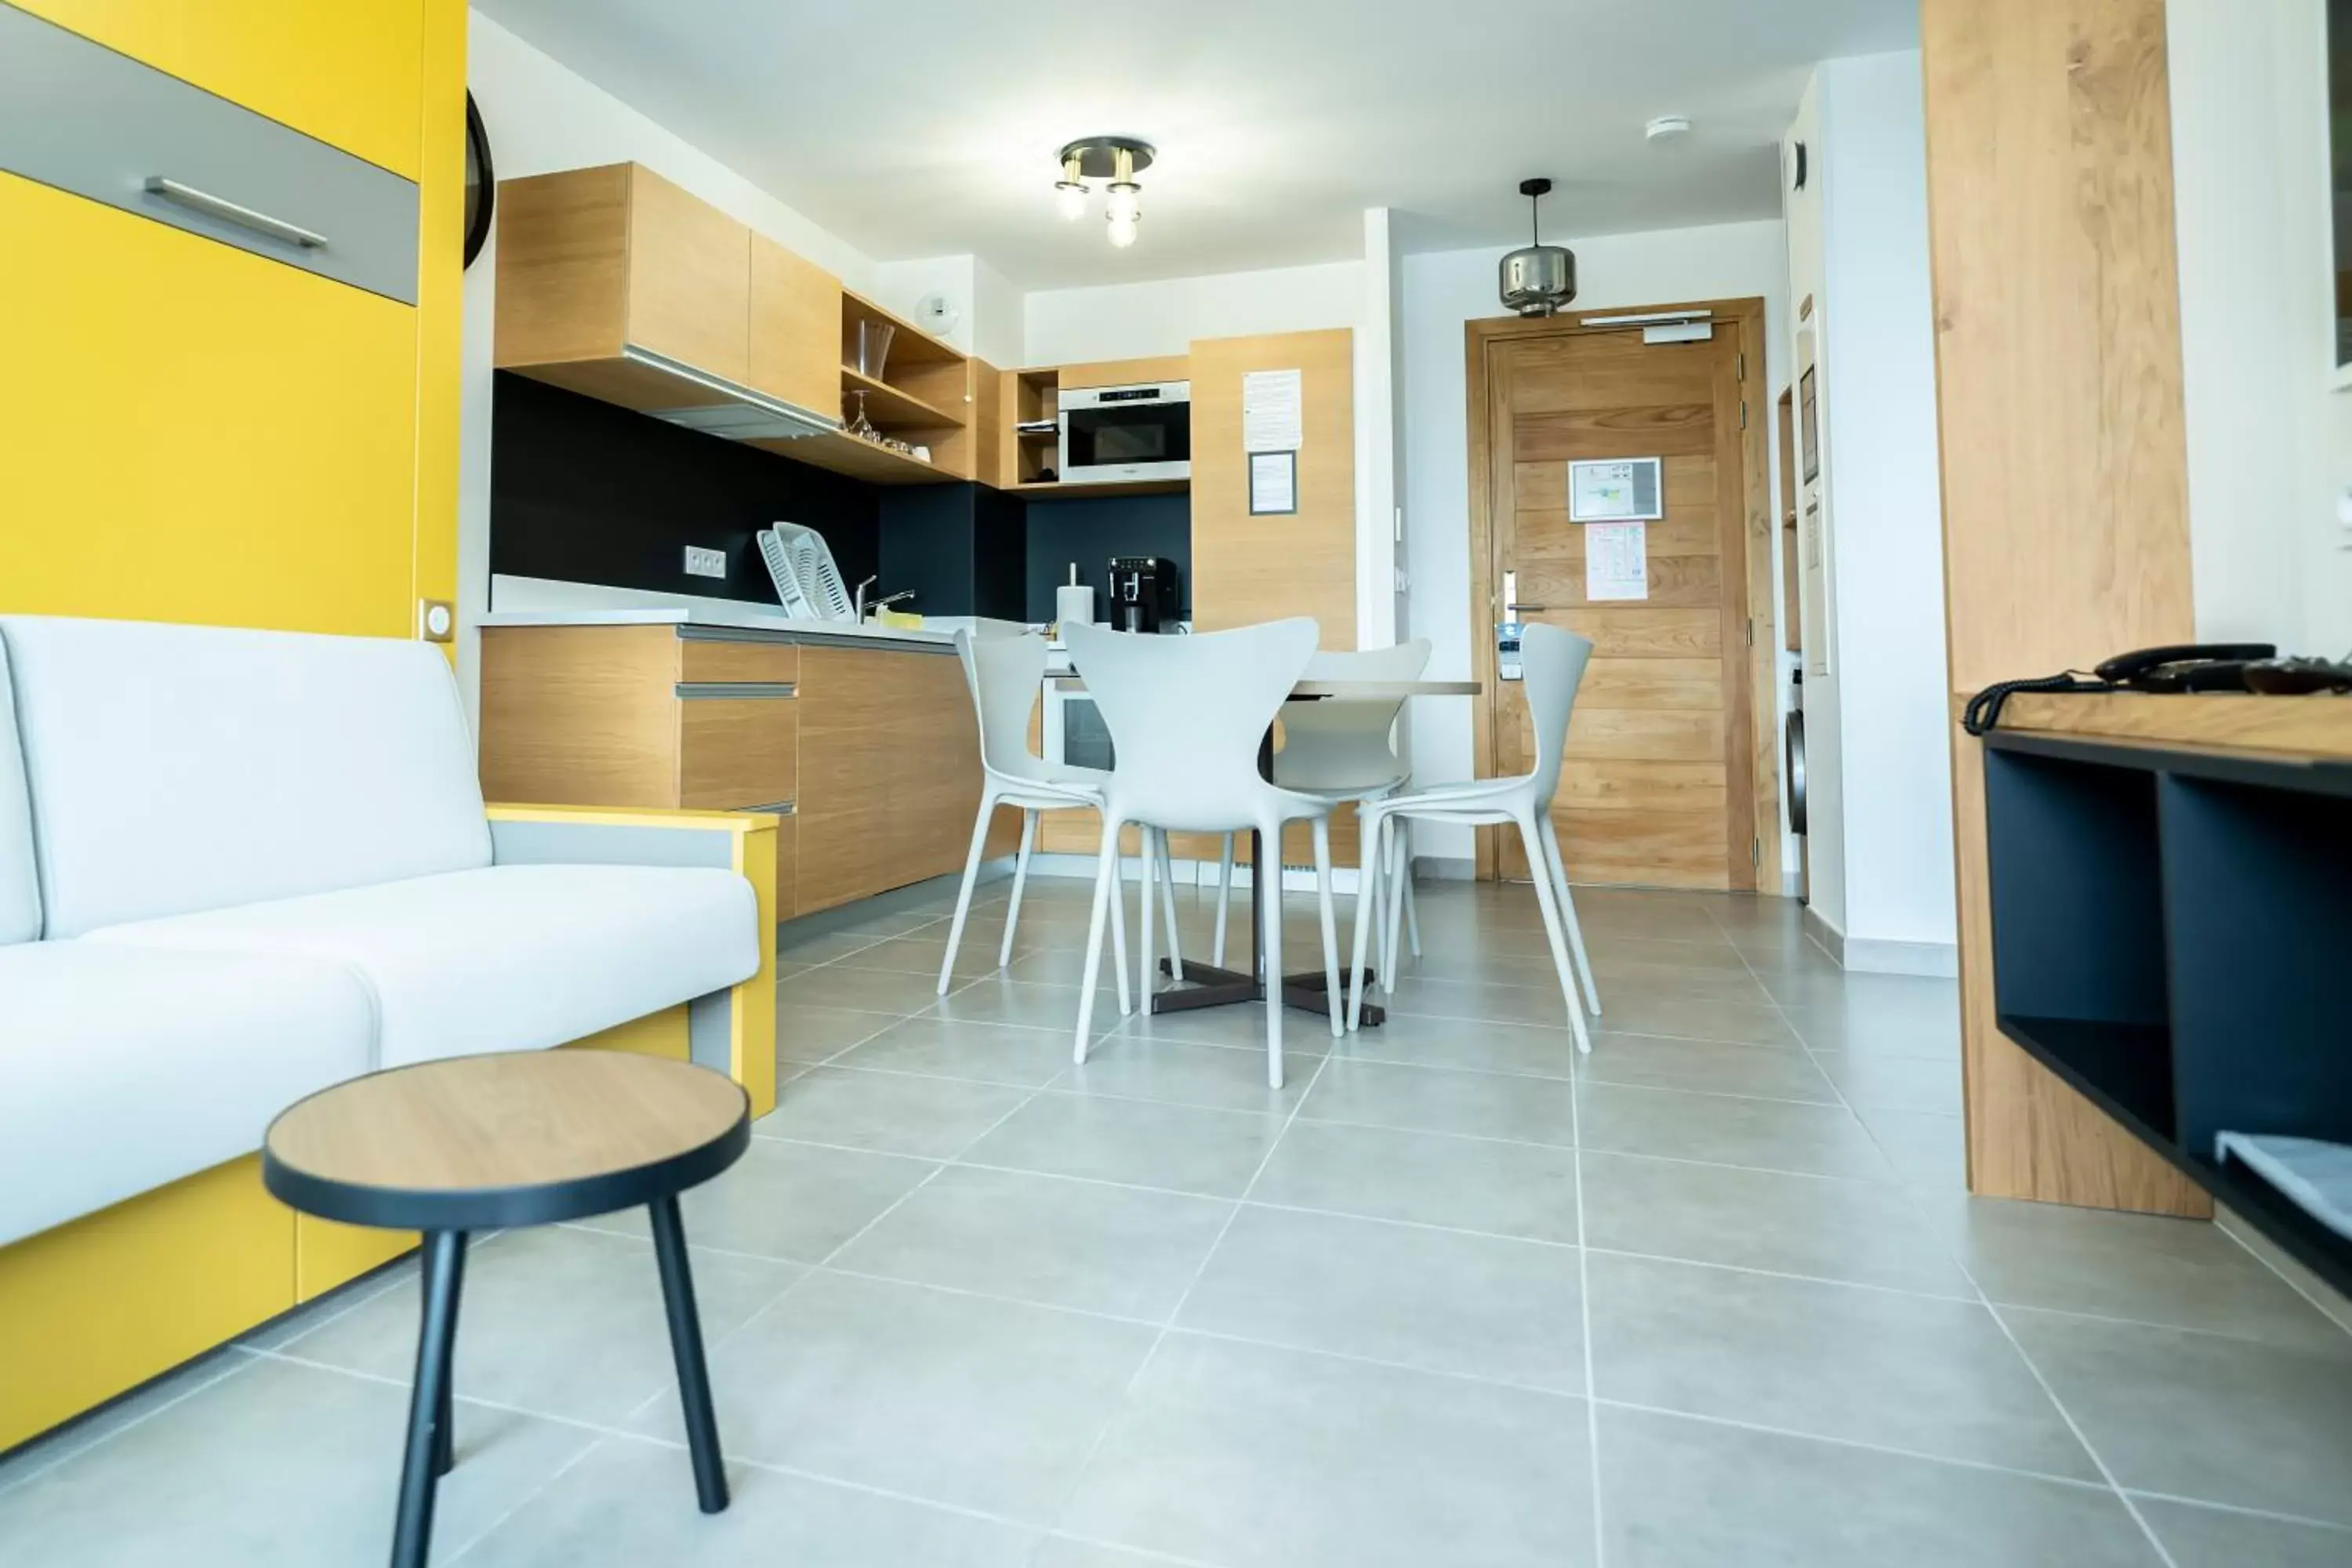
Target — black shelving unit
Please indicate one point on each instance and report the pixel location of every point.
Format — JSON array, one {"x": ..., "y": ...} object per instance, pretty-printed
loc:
[{"x": 2172, "y": 935}]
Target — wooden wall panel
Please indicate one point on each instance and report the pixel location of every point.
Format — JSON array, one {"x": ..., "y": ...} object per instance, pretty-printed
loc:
[
  {"x": 1248, "y": 568},
  {"x": 2065, "y": 472}
]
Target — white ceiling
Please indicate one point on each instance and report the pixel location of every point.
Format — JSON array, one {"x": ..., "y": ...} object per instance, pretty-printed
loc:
[{"x": 928, "y": 127}]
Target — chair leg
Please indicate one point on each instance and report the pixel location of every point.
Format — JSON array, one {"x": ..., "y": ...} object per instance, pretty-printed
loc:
[
  {"x": 1119, "y": 925},
  {"x": 686, "y": 1348},
  {"x": 1224, "y": 897},
  {"x": 1531, "y": 840},
  {"x": 1567, "y": 914},
  {"x": 1411, "y": 911},
  {"x": 1331, "y": 992},
  {"x": 1369, "y": 857},
  {"x": 1167, "y": 908},
  {"x": 1019, "y": 880},
  {"x": 963, "y": 898},
  {"x": 1270, "y": 921},
  {"x": 1150, "y": 870},
  {"x": 1106, "y": 893},
  {"x": 1393, "y": 878},
  {"x": 436, "y": 1337}
]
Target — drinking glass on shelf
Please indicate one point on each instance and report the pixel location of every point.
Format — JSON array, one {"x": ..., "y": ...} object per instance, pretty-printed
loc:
[{"x": 859, "y": 426}]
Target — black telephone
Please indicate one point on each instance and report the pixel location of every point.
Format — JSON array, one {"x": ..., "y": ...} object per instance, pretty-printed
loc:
[{"x": 2180, "y": 666}]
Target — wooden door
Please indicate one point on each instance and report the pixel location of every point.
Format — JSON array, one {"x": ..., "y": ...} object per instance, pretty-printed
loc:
[{"x": 1662, "y": 763}]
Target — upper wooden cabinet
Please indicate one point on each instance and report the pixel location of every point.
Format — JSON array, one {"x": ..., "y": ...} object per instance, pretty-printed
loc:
[{"x": 794, "y": 350}]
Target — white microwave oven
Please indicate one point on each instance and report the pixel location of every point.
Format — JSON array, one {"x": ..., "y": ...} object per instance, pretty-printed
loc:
[{"x": 1111, "y": 433}]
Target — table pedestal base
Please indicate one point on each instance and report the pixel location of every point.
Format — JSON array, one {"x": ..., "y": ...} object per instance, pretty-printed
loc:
[{"x": 1216, "y": 987}]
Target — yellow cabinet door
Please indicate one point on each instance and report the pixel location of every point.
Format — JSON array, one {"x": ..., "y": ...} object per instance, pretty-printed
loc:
[
  {"x": 348, "y": 72},
  {"x": 195, "y": 433}
]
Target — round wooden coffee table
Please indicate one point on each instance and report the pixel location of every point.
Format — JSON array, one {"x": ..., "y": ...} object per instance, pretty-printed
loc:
[{"x": 494, "y": 1142}]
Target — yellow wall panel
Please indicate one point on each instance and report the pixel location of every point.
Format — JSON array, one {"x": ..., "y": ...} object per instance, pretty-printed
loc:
[
  {"x": 110, "y": 1301},
  {"x": 345, "y": 72},
  {"x": 197, "y": 434},
  {"x": 440, "y": 300},
  {"x": 662, "y": 1033},
  {"x": 327, "y": 1254}
]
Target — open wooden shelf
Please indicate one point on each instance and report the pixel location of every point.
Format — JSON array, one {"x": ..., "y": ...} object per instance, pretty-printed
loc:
[
  {"x": 1054, "y": 489},
  {"x": 860, "y": 459},
  {"x": 910, "y": 345},
  {"x": 889, "y": 407}
]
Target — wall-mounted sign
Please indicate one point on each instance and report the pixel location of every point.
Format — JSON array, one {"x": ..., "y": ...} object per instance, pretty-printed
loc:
[
  {"x": 1273, "y": 483},
  {"x": 1623, "y": 490},
  {"x": 1617, "y": 561},
  {"x": 1274, "y": 410}
]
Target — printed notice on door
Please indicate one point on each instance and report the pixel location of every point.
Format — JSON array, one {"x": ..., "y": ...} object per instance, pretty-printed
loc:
[
  {"x": 1273, "y": 418},
  {"x": 1616, "y": 492},
  {"x": 1616, "y": 560}
]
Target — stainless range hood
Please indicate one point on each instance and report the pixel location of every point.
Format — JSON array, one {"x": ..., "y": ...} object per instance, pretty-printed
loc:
[{"x": 744, "y": 416}]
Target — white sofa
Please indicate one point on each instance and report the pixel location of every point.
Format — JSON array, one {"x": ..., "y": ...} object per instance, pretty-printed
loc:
[{"x": 236, "y": 867}]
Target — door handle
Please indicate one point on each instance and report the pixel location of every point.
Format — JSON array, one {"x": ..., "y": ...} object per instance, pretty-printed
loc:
[
  {"x": 1511, "y": 605},
  {"x": 228, "y": 211}
]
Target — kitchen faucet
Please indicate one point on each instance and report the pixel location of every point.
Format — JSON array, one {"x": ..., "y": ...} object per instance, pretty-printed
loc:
[{"x": 859, "y": 607}]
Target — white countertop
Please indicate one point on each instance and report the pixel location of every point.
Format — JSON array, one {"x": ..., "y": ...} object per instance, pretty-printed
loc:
[{"x": 532, "y": 602}]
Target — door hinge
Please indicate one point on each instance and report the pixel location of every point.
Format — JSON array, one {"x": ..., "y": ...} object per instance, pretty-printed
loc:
[
  {"x": 1742, "y": 374},
  {"x": 1756, "y": 853},
  {"x": 1751, "y": 631},
  {"x": 1743, "y": 413}
]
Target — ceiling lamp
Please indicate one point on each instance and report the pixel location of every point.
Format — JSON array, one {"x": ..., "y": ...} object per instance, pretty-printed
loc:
[
  {"x": 1116, "y": 160},
  {"x": 1538, "y": 279}
]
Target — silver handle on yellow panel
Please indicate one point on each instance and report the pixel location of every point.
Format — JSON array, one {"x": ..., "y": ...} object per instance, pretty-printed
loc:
[{"x": 228, "y": 211}]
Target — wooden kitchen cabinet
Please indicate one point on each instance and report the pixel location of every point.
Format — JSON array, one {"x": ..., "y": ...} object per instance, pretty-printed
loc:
[{"x": 795, "y": 326}]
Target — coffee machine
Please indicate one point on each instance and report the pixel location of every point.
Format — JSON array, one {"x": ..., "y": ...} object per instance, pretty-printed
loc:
[{"x": 1144, "y": 596}]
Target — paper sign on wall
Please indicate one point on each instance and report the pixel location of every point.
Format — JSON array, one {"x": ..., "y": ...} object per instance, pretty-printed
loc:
[
  {"x": 1273, "y": 411},
  {"x": 1614, "y": 491},
  {"x": 1617, "y": 561},
  {"x": 1273, "y": 483}
]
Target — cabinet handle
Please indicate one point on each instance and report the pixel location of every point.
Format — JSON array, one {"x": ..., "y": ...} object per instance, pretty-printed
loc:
[{"x": 210, "y": 205}]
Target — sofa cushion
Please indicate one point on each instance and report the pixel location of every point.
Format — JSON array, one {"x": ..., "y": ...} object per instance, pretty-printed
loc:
[
  {"x": 181, "y": 768},
  {"x": 124, "y": 1067},
  {"x": 507, "y": 958},
  {"x": 20, "y": 888}
]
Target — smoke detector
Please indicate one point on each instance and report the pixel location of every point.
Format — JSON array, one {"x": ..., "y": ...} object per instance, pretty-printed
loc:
[
  {"x": 1537, "y": 279},
  {"x": 1667, "y": 129}
]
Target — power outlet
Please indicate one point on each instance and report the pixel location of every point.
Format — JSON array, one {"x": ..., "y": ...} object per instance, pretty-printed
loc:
[{"x": 701, "y": 562}]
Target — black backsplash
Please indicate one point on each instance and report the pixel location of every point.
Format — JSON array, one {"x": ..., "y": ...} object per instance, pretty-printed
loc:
[
  {"x": 1091, "y": 532},
  {"x": 587, "y": 492}
]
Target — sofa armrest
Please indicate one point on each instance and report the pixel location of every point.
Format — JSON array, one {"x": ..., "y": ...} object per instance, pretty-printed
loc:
[{"x": 736, "y": 1027}]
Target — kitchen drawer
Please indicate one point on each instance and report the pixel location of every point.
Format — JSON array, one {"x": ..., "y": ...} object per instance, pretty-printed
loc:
[
  {"x": 350, "y": 72},
  {"x": 78, "y": 116},
  {"x": 712, "y": 660},
  {"x": 737, "y": 751}
]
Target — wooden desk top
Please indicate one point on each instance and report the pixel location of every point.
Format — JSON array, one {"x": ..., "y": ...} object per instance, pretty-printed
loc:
[
  {"x": 520, "y": 1138},
  {"x": 2313, "y": 726}
]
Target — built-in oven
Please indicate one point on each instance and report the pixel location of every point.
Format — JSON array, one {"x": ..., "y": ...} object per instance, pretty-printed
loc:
[{"x": 1111, "y": 433}]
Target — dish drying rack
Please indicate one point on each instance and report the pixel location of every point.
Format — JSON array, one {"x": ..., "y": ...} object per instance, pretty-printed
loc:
[{"x": 800, "y": 564}]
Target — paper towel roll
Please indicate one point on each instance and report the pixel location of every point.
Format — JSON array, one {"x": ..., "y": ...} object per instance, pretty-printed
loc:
[{"x": 1074, "y": 601}]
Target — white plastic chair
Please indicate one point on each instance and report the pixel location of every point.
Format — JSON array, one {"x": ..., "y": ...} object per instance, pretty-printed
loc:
[
  {"x": 1002, "y": 666},
  {"x": 1343, "y": 750},
  {"x": 1187, "y": 716},
  {"x": 1553, "y": 662}
]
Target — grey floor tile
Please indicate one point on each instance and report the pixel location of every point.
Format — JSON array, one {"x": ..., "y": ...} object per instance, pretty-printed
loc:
[
  {"x": 631, "y": 1505},
  {"x": 1858, "y": 1232},
  {"x": 1181, "y": 1148},
  {"x": 807, "y": 1034},
  {"x": 1438, "y": 1299},
  {"x": 1927, "y": 1030},
  {"x": 1239, "y": 1027},
  {"x": 1471, "y": 1183},
  {"x": 1049, "y": 1239},
  {"x": 812, "y": 948},
  {"x": 1180, "y": 1073},
  {"x": 2203, "y": 1416},
  {"x": 277, "y": 1466},
  {"x": 983, "y": 1053},
  {"x": 1677, "y": 1493},
  {"x": 1482, "y": 999},
  {"x": 994, "y": 999},
  {"x": 1424, "y": 1100},
  {"x": 1862, "y": 995},
  {"x": 922, "y": 953},
  {"x": 1061, "y": 1551},
  {"x": 1251, "y": 1457},
  {"x": 1710, "y": 1067},
  {"x": 24, "y": 1461},
  {"x": 2183, "y": 1273},
  {"x": 1634, "y": 958},
  {"x": 794, "y": 1201},
  {"x": 894, "y": 1113},
  {"x": 1929, "y": 1154},
  {"x": 561, "y": 1321},
  {"x": 949, "y": 1399},
  {"x": 1060, "y": 959},
  {"x": 892, "y": 991},
  {"x": 1928, "y": 1084},
  {"x": 2219, "y": 1538},
  {"x": 1726, "y": 1130},
  {"x": 1415, "y": 1041},
  {"x": 1652, "y": 1009},
  {"x": 1880, "y": 1367}
]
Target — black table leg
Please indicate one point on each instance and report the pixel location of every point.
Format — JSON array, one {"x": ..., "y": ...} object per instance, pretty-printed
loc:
[
  {"x": 430, "y": 1445},
  {"x": 685, "y": 1344}
]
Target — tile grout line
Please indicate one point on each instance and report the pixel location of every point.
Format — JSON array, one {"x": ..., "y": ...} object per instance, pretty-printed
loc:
[{"x": 1911, "y": 1200}]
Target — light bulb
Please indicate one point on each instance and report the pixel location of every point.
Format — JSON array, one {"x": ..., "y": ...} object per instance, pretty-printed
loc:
[
  {"x": 1122, "y": 230},
  {"x": 1126, "y": 201},
  {"x": 1070, "y": 199}
]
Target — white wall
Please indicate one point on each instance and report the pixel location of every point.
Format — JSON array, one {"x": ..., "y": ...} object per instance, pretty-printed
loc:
[
  {"x": 987, "y": 305},
  {"x": 2270, "y": 443},
  {"x": 1878, "y": 379},
  {"x": 1142, "y": 321},
  {"x": 1442, "y": 292}
]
